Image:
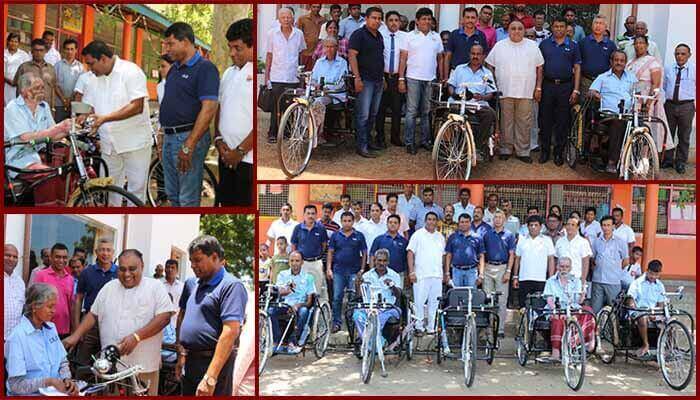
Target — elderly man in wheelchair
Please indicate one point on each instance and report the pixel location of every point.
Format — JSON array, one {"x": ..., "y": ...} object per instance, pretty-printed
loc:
[
  {"x": 296, "y": 289},
  {"x": 328, "y": 75},
  {"x": 647, "y": 291}
]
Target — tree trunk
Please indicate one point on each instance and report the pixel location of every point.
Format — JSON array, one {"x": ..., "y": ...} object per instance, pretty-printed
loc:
[{"x": 224, "y": 15}]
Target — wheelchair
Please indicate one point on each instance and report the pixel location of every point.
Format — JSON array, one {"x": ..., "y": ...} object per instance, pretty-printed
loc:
[
  {"x": 533, "y": 337},
  {"x": 397, "y": 332},
  {"x": 315, "y": 333},
  {"x": 467, "y": 328},
  {"x": 668, "y": 333}
]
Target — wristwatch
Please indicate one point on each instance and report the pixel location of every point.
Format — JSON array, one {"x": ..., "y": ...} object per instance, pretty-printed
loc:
[
  {"x": 185, "y": 149},
  {"x": 241, "y": 151},
  {"x": 210, "y": 380}
]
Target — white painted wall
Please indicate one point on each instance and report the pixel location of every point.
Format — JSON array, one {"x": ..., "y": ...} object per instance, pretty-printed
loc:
[{"x": 14, "y": 234}]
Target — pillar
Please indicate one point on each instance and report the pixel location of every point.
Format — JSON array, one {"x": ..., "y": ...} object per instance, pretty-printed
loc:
[
  {"x": 39, "y": 20},
  {"x": 651, "y": 205},
  {"x": 477, "y": 191},
  {"x": 622, "y": 197},
  {"x": 88, "y": 24},
  {"x": 5, "y": 13},
  {"x": 127, "y": 33},
  {"x": 298, "y": 198},
  {"x": 138, "y": 56}
]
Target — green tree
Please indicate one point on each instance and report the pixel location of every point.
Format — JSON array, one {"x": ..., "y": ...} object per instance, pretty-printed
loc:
[
  {"x": 235, "y": 233},
  {"x": 199, "y": 16}
]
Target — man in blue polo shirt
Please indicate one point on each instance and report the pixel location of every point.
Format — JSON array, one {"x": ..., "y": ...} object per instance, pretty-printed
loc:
[
  {"x": 394, "y": 243},
  {"x": 596, "y": 50},
  {"x": 310, "y": 238},
  {"x": 459, "y": 45},
  {"x": 212, "y": 311},
  {"x": 464, "y": 253},
  {"x": 560, "y": 89},
  {"x": 499, "y": 244},
  {"x": 91, "y": 280},
  {"x": 189, "y": 104},
  {"x": 347, "y": 253},
  {"x": 418, "y": 213},
  {"x": 479, "y": 226}
]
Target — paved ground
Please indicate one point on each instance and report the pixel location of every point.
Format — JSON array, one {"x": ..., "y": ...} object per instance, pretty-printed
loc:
[
  {"x": 342, "y": 163},
  {"x": 338, "y": 374}
]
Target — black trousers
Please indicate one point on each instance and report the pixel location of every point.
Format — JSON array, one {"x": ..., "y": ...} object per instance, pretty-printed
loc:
[
  {"x": 555, "y": 115},
  {"x": 528, "y": 287},
  {"x": 235, "y": 186},
  {"x": 277, "y": 90},
  {"x": 680, "y": 125},
  {"x": 392, "y": 99},
  {"x": 196, "y": 368},
  {"x": 616, "y": 132}
]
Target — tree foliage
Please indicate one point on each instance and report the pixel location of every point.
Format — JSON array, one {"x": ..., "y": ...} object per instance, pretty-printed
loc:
[
  {"x": 199, "y": 16},
  {"x": 235, "y": 233}
]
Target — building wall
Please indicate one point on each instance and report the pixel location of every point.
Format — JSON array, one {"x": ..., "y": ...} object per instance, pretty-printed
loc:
[{"x": 14, "y": 234}]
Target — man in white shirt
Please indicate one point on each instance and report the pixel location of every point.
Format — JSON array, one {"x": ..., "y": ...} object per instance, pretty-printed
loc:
[
  {"x": 463, "y": 206},
  {"x": 52, "y": 55},
  {"x": 359, "y": 219},
  {"x": 512, "y": 223},
  {"x": 119, "y": 97},
  {"x": 417, "y": 66},
  {"x": 622, "y": 230},
  {"x": 84, "y": 80},
  {"x": 575, "y": 247},
  {"x": 374, "y": 226},
  {"x": 335, "y": 12},
  {"x": 13, "y": 294},
  {"x": 132, "y": 312},
  {"x": 392, "y": 202},
  {"x": 282, "y": 227},
  {"x": 234, "y": 128},
  {"x": 426, "y": 270},
  {"x": 345, "y": 206},
  {"x": 407, "y": 200},
  {"x": 284, "y": 45},
  {"x": 591, "y": 227},
  {"x": 491, "y": 208},
  {"x": 520, "y": 82},
  {"x": 640, "y": 29},
  {"x": 534, "y": 260},
  {"x": 68, "y": 70},
  {"x": 13, "y": 57},
  {"x": 394, "y": 42},
  {"x": 173, "y": 285}
]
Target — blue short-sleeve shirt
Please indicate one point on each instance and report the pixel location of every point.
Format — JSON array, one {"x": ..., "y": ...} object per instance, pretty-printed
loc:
[
  {"x": 460, "y": 45},
  {"x": 373, "y": 278},
  {"x": 613, "y": 89},
  {"x": 207, "y": 305},
  {"x": 465, "y": 249},
  {"x": 608, "y": 255},
  {"x": 559, "y": 59},
  {"x": 645, "y": 293},
  {"x": 309, "y": 242},
  {"x": 186, "y": 86},
  {"x": 91, "y": 280},
  {"x": 498, "y": 246},
  {"x": 18, "y": 120},
  {"x": 419, "y": 212},
  {"x": 370, "y": 57},
  {"x": 397, "y": 250},
  {"x": 595, "y": 56},
  {"x": 347, "y": 251},
  {"x": 34, "y": 353},
  {"x": 554, "y": 288},
  {"x": 482, "y": 229},
  {"x": 303, "y": 286}
]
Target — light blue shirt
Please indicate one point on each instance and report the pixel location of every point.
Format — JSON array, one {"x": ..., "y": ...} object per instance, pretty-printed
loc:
[
  {"x": 554, "y": 288},
  {"x": 464, "y": 74},
  {"x": 645, "y": 293},
  {"x": 348, "y": 25},
  {"x": 20, "y": 120},
  {"x": 419, "y": 212},
  {"x": 332, "y": 73},
  {"x": 34, "y": 353},
  {"x": 406, "y": 206},
  {"x": 613, "y": 89},
  {"x": 687, "y": 88},
  {"x": 608, "y": 255},
  {"x": 303, "y": 286},
  {"x": 460, "y": 209},
  {"x": 373, "y": 278},
  {"x": 579, "y": 33},
  {"x": 501, "y": 34},
  {"x": 67, "y": 76}
]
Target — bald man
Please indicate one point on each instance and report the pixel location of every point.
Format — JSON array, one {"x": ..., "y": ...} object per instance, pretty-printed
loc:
[{"x": 14, "y": 290}]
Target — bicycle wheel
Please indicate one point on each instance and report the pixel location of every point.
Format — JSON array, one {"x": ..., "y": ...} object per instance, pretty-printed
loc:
[
  {"x": 676, "y": 355},
  {"x": 369, "y": 353},
  {"x": 439, "y": 331},
  {"x": 99, "y": 196},
  {"x": 641, "y": 160},
  {"x": 469, "y": 350},
  {"x": 606, "y": 335},
  {"x": 156, "y": 184},
  {"x": 265, "y": 341},
  {"x": 323, "y": 330},
  {"x": 573, "y": 355},
  {"x": 452, "y": 151},
  {"x": 410, "y": 343},
  {"x": 520, "y": 341},
  {"x": 571, "y": 150},
  {"x": 294, "y": 139}
]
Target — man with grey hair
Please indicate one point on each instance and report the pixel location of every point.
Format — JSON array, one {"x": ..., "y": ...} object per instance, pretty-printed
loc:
[
  {"x": 212, "y": 311},
  {"x": 331, "y": 69},
  {"x": 13, "y": 286},
  {"x": 641, "y": 29}
]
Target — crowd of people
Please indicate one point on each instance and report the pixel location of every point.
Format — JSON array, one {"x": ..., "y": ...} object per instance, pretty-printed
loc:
[
  {"x": 39, "y": 90},
  {"x": 69, "y": 307},
  {"x": 394, "y": 64},
  {"x": 419, "y": 244}
]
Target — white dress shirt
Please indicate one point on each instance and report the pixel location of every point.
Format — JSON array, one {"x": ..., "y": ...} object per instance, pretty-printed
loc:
[
  {"x": 516, "y": 79},
  {"x": 625, "y": 233},
  {"x": 575, "y": 249},
  {"x": 403, "y": 226},
  {"x": 428, "y": 249},
  {"x": 460, "y": 209},
  {"x": 236, "y": 107},
  {"x": 12, "y": 63},
  {"x": 339, "y": 214},
  {"x": 533, "y": 253},
  {"x": 285, "y": 54},
  {"x": 280, "y": 228},
  {"x": 85, "y": 80},
  {"x": 399, "y": 44},
  {"x": 174, "y": 290},
  {"x": 52, "y": 56},
  {"x": 592, "y": 230},
  {"x": 488, "y": 216},
  {"x": 422, "y": 52},
  {"x": 13, "y": 302},
  {"x": 371, "y": 230}
]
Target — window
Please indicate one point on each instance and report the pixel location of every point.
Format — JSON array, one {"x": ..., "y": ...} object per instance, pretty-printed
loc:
[
  {"x": 71, "y": 230},
  {"x": 676, "y": 209},
  {"x": 521, "y": 197},
  {"x": 271, "y": 197},
  {"x": 578, "y": 198},
  {"x": 21, "y": 20}
]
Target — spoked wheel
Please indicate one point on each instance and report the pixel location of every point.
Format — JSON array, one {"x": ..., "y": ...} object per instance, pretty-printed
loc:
[
  {"x": 571, "y": 153},
  {"x": 606, "y": 335},
  {"x": 469, "y": 350},
  {"x": 640, "y": 161},
  {"x": 571, "y": 150},
  {"x": 452, "y": 152},
  {"x": 520, "y": 341},
  {"x": 676, "y": 355},
  {"x": 155, "y": 192},
  {"x": 323, "y": 330},
  {"x": 104, "y": 196},
  {"x": 369, "y": 353},
  {"x": 295, "y": 139},
  {"x": 573, "y": 355},
  {"x": 410, "y": 342},
  {"x": 439, "y": 331},
  {"x": 265, "y": 341}
]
